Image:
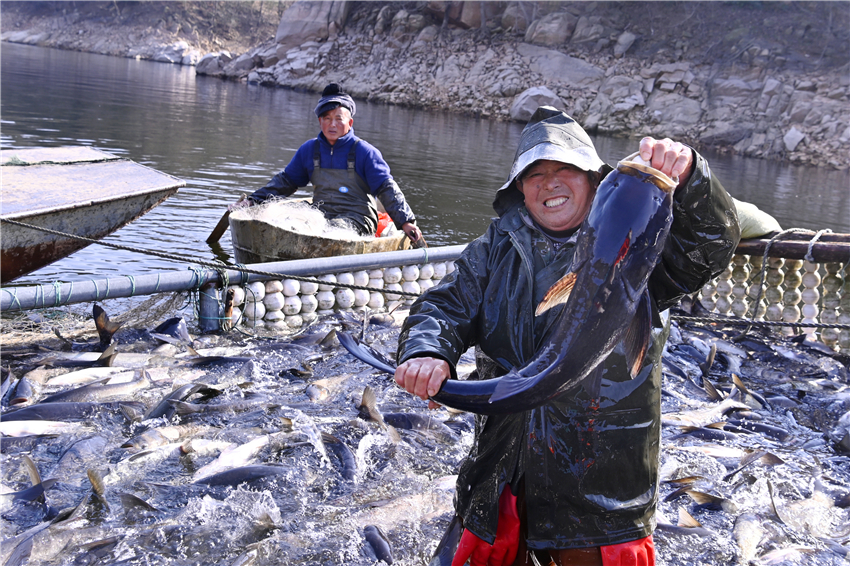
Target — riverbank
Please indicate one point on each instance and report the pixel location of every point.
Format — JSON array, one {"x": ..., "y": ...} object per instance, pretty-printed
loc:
[{"x": 772, "y": 84}]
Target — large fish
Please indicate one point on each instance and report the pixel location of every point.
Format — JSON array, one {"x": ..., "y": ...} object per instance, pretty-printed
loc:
[{"x": 605, "y": 294}]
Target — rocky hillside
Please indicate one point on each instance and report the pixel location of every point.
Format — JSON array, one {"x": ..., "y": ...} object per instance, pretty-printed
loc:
[{"x": 764, "y": 79}]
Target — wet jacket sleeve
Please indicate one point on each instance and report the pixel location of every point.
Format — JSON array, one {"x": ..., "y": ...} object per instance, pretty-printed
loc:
[
  {"x": 442, "y": 324},
  {"x": 702, "y": 240},
  {"x": 297, "y": 174},
  {"x": 372, "y": 168},
  {"x": 394, "y": 203}
]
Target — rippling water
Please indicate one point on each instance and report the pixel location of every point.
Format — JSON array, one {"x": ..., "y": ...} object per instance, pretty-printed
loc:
[{"x": 226, "y": 138}]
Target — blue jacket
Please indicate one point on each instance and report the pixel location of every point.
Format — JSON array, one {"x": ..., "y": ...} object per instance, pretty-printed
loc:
[{"x": 369, "y": 164}]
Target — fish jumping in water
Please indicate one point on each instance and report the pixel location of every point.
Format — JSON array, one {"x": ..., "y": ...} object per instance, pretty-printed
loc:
[{"x": 617, "y": 248}]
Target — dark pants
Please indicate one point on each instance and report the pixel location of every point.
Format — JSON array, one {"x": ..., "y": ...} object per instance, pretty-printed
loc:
[{"x": 591, "y": 556}]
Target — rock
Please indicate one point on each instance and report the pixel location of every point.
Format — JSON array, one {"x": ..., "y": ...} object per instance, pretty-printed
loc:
[
  {"x": 172, "y": 53},
  {"x": 240, "y": 66},
  {"x": 515, "y": 17},
  {"x": 725, "y": 133},
  {"x": 588, "y": 28},
  {"x": 624, "y": 43},
  {"x": 210, "y": 64},
  {"x": 529, "y": 100},
  {"x": 792, "y": 138},
  {"x": 552, "y": 30},
  {"x": 191, "y": 57},
  {"x": 554, "y": 66},
  {"x": 309, "y": 20},
  {"x": 674, "y": 109}
]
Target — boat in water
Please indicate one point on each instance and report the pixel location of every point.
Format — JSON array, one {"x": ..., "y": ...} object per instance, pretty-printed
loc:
[
  {"x": 262, "y": 240},
  {"x": 78, "y": 191}
]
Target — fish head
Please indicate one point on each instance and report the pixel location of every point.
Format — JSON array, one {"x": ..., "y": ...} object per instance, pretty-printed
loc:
[{"x": 627, "y": 225}]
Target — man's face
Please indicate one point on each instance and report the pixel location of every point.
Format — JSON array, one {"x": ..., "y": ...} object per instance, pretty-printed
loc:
[
  {"x": 336, "y": 123},
  {"x": 557, "y": 195}
]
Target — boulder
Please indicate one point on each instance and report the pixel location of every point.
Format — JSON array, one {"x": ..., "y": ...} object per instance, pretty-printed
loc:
[
  {"x": 552, "y": 29},
  {"x": 624, "y": 43},
  {"x": 307, "y": 20},
  {"x": 726, "y": 133},
  {"x": 529, "y": 100},
  {"x": 792, "y": 138},
  {"x": 557, "y": 67},
  {"x": 674, "y": 109},
  {"x": 514, "y": 16},
  {"x": 211, "y": 64},
  {"x": 239, "y": 66},
  {"x": 587, "y": 28},
  {"x": 172, "y": 53}
]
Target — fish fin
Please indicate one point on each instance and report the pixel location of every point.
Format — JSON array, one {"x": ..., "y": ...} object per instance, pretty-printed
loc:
[
  {"x": 368, "y": 405},
  {"x": 130, "y": 501},
  {"x": 558, "y": 293},
  {"x": 32, "y": 470},
  {"x": 709, "y": 360},
  {"x": 711, "y": 390},
  {"x": 687, "y": 520},
  {"x": 677, "y": 493},
  {"x": 97, "y": 486},
  {"x": 707, "y": 500},
  {"x": 192, "y": 352},
  {"x": 688, "y": 480},
  {"x": 509, "y": 384},
  {"x": 105, "y": 327},
  {"x": 593, "y": 382},
  {"x": 182, "y": 408},
  {"x": 328, "y": 437},
  {"x": 739, "y": 384},
  {"x": 718, "y": 425},
  {"x": 771, "y": 459},
  {"x": 638, "y": 337},
  {"x": 130, "y": 413},
  {"x": 393, "y": 434}
]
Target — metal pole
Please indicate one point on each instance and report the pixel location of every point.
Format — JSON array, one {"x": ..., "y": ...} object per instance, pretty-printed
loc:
[
  {"x": 209, "y": 308},
  {"x": 59, "y": 294}
]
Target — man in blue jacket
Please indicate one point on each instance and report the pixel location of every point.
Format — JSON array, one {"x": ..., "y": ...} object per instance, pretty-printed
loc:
[{"x": 348, "y": 174}]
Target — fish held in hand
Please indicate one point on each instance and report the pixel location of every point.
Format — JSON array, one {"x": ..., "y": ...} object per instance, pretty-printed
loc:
[{"x": 605, "y": 296}]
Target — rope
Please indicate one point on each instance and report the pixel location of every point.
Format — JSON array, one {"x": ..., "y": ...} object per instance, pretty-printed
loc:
[
  {"x": 14, "y": 296},
  {"x": 763, "y": 270},
  {"x": 820, "y": 233},
  {"x": 217, "y": 265},
  {"x": 741, "y": 321}
]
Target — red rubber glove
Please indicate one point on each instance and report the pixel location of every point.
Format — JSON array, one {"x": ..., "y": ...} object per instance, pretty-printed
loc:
[
  {"x": 504, "y": 549},
  {"x": 639, "y": 552},
  {"x": 507, "y": 533},
  {"x": 473, "y": 548}
]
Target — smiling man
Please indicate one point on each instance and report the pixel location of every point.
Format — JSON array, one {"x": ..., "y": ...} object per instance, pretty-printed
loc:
[
  {"x": 349, "y": 175},
  {"x": 575, "y": 480}
]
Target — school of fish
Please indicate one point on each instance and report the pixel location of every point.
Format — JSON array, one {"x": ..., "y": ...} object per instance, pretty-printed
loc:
[{"x": 156, "y": 447}]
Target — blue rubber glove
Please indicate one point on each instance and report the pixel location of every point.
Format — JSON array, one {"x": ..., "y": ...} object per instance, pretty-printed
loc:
[{"x": 639, "y": 552}]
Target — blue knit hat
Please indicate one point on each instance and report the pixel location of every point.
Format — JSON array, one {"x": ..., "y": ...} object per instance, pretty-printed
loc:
[{"x": 332, "y": 97}]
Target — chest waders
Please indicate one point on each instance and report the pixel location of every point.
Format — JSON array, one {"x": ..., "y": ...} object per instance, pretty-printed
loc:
[{"x": 342, "y": 193}]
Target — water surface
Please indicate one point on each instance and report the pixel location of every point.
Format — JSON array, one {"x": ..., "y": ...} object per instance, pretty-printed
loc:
[{"x": 227, "y": 138}]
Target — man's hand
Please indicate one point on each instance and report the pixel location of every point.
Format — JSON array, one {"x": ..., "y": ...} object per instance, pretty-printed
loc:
[
  {"x": 241, "y": 203},
  {"x": 412, "y": 231},
  {"x": 423, "y": 377},
  {"x": 671, "y": 158}
]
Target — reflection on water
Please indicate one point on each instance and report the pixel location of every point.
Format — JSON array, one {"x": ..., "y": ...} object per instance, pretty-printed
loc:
[{"x": 226, "y": 138}]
